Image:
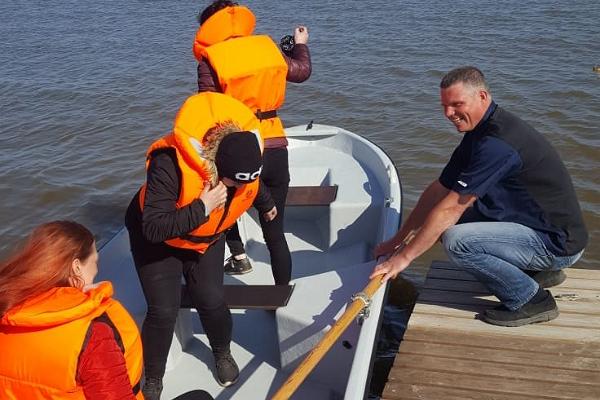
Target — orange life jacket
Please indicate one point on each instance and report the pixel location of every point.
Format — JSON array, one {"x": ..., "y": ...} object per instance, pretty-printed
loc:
[
  {"x": 41, "y": 340},
  {"x": 249, "y": 67},
  {"x": 198, "y": 114}
]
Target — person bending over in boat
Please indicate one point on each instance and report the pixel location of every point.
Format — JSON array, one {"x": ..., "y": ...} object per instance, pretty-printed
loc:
[
  {"x": 61, "y": 335},
  {"x": 200, "y": 179},
  {"x": 252, "y": 69},
  {"x": 504, "y": 207}
]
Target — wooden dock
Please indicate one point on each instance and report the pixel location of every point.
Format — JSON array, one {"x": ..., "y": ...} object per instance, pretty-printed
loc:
[{"x": 448, "y": 354}]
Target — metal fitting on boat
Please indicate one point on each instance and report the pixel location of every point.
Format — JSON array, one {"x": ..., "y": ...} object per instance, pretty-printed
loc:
[{"x": 366, "y": 310}]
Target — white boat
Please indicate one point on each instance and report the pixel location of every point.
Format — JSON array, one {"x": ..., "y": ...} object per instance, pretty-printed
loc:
[{"x": 331, "y": 246}]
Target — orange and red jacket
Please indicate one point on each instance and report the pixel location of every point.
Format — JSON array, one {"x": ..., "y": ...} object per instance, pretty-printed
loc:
[
  {"x": 42, "y": 339},
  {"x": 249, "y": 67},
  {"x": 195, "y": 152}
]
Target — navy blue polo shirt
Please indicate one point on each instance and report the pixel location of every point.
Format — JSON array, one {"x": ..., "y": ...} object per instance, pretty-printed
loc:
[{"x": 517, "y": 177}]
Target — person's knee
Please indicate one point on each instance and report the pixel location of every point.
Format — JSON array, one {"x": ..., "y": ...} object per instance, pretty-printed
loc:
[
  {"x": 213, "y": 308},
  {"x": 208, "y": 301},
  {"x": 274, "y": 238},
  {"x": 456, "y": 240},
  {"x": 166, "y": 314},
  {"x": 450, "y": 240}
]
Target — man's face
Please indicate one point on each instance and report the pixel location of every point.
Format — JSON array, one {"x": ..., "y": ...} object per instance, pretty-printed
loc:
[{"x": 464, "y": 105}]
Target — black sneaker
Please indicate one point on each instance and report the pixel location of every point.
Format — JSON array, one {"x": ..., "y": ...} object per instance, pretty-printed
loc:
[
  {"x": 237, "y": 267},
  {"x": 227, "y": 370},
  {"x": 547, "y": 279},
  {"x": 152, "y": 388},
  {"x": 545, "y": 310}
]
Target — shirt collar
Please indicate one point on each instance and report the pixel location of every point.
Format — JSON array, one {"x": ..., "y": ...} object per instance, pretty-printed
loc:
[{"x": 486, "y": 116}]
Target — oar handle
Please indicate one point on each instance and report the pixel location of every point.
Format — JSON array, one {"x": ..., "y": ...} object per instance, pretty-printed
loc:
[{"x": 319, "y": 351}]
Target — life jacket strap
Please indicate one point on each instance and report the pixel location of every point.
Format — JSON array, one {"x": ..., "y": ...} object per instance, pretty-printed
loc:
[
  {"x": 136, "y": 388},
  {"x": 202, "y": 239},
  {"x": 265, "y": 114}
]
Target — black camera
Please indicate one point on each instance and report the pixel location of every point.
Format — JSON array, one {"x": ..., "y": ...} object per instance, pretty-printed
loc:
[{"x": 287, "y": 44}]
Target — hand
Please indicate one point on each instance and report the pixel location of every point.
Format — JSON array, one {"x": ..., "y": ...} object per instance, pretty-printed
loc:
[
  {"x": 213, "y": 197},
  {"x": 390, "y": 268},
  {"x": 384, "y": 248},
  {"x": 301, "y": 35},
  {"x": 271, "y": 214}
]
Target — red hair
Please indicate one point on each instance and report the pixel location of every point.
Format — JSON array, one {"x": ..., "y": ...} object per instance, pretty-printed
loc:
[{"x": 43, "y": 262}]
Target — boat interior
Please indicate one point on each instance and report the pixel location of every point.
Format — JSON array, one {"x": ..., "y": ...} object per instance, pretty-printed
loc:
[{"x": 344, "y": 199}]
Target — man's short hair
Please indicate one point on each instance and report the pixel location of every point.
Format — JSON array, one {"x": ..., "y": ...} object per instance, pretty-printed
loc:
[{"x": 467, "y": 75}]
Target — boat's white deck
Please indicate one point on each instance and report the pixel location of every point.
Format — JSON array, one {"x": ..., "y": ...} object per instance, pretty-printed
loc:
[{"x": 331, "y": 249}]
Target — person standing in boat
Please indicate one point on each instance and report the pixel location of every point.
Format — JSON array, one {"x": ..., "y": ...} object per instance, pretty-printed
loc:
[
  {"x": 504, "y": 207},
  {"x": 58, "y": 331},
  {"x": 200, "y": 179},
  {"x": 252, "y": 69}
]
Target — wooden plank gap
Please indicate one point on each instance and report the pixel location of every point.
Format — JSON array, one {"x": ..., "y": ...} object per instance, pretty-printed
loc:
[
  {"x": 475, "y": 346},
  {"x": 431, "y": 391},
  {"x": 528, "y": 379},
  {"x": 495, "y": 362}
]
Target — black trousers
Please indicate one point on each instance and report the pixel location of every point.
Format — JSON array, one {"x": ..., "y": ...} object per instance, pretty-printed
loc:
[
  {"x": 160, "y": 268},
  {"x": 276, "y": 177},
  {"x": 195, "y": 395}
]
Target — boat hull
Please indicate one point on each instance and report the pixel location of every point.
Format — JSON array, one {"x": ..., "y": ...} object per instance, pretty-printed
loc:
[{"x": 331, "y": 246}]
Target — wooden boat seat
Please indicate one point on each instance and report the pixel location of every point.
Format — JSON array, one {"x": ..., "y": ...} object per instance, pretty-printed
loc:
[
  {"x": 265, "y": 297},
  {"x": 311, "y": 195}
]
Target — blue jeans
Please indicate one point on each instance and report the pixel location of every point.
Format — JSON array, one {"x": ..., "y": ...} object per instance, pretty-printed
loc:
[{"x": 496, "y": 253}]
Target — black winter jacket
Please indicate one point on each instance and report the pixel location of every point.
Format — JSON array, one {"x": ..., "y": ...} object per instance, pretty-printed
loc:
[{"x": 161, "y": 219}]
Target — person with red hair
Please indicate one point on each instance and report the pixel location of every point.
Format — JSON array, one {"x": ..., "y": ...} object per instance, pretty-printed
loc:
[{"x": 61, "y": 335}]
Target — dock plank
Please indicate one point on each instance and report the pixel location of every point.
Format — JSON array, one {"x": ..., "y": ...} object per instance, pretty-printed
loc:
[{"x": 447, "y": 353}]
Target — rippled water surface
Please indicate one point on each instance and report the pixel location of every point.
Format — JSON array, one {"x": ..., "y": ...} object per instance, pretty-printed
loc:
[{"x": 86, "y": 86}]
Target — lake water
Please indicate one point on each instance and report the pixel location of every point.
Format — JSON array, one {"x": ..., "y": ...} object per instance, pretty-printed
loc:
[{"x": 86, "y": 86}]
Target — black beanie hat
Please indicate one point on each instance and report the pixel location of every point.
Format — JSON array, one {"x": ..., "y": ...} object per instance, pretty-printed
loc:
[{"x": 238, "y": 157}]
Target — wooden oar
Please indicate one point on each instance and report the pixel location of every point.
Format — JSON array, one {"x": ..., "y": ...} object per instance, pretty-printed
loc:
[{"x": 319, "y": 351}]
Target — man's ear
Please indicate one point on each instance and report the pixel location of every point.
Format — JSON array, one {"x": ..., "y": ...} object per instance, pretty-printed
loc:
[{"x": 483, "y": 95}]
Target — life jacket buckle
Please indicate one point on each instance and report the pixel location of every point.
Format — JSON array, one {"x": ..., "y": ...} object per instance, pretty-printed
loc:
[{"x": 261, "y": 115}]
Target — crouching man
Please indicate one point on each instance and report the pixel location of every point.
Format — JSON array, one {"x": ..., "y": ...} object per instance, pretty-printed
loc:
[{"x": 504, "y": 207}]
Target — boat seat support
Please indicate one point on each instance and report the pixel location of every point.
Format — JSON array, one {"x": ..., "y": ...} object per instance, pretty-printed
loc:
[
  {"x": 265, "y": 297},
  {"x": 311, "y": 195}
]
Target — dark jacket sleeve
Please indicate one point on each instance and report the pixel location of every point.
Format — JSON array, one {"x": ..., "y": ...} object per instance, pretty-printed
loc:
[
  {"x": 299, "y": 70},
  {"x": 207, "y": 78},
  {"x": 102, "y": 371},
  {"x": 299, "y": 64},
  {"x": 161, "y": 219},
  {"x": 263, "y": 201}
]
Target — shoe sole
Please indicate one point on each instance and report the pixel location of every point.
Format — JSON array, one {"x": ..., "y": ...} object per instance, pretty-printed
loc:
[
  {"x": 542, "y": 317},
  {"x": 238, "y": 272},
  {"x": 228, "y": 383}
]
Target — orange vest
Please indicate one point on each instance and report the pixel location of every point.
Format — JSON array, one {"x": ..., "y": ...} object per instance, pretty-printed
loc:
[
  {"x": 249, "y": 67},
  {"x": 198, "y": 114},
  {"x": 41, "y": 340}
]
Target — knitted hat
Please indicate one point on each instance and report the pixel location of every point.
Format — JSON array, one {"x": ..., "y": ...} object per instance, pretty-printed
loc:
[{"x": 239, "y": 157}]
